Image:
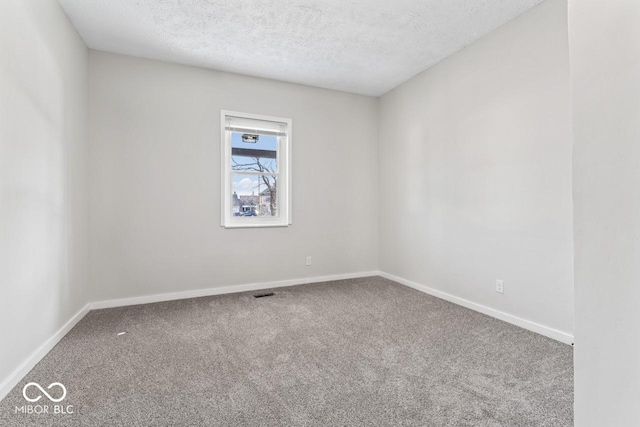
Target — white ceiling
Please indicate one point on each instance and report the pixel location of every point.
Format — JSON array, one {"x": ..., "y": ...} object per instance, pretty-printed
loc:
[{"x": 360, "y": 46}]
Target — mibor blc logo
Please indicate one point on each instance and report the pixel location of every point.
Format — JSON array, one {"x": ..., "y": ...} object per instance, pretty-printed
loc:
[
  {"x": 33, "y": 392},
  {"x": 60, "y": 399}
]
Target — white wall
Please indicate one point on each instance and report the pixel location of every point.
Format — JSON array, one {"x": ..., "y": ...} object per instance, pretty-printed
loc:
[
  {"x": 43, "y": 190},
  {"x": 605, "y": 70},
  {"x": 155, "y": 180},
  {"x": 475, "y": 172}
]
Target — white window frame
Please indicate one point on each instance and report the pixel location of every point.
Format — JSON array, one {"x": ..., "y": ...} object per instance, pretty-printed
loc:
[{"x": 284, "y": 217}]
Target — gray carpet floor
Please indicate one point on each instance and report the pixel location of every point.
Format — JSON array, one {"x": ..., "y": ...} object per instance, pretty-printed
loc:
[{"x": 361, "y": 352}]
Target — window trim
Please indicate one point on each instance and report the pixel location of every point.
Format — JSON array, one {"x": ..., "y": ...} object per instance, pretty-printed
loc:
[{"x": 227, "y": 220}]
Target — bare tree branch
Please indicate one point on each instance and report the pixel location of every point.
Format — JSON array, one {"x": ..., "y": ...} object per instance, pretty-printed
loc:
[{"x": 270, "y": 181}]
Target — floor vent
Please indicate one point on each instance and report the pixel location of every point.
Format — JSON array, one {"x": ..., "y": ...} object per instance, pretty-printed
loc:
[{"x": 268, "y": 294}]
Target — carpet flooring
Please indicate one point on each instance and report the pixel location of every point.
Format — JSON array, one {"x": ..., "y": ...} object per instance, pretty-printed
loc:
[{"x": 361, "y": 352}]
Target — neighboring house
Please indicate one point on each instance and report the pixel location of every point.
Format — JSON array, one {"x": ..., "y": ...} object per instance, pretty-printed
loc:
[
  {"x": 265, "y": 202},
  {"x": 248, "y": 203}
]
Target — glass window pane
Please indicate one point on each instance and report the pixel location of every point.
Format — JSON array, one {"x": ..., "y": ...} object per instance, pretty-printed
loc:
[
  {"x": 254, "y": 195},
  {"x": 254, "y": 152}
]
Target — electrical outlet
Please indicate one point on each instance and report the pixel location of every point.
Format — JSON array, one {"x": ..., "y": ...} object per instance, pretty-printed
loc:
[
  {"x": 500, "y": 286},
  {"x": 308, "y": 260}
]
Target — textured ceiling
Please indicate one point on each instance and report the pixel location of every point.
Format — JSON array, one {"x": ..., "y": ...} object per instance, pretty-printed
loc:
[{"x": 360, "y": 46}]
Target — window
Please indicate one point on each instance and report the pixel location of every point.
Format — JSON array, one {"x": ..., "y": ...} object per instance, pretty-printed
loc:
[{"x": 256, "y": 168}]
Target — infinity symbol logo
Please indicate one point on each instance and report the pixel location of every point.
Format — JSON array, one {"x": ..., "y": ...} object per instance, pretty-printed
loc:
[{"x": 64, "y": 392}]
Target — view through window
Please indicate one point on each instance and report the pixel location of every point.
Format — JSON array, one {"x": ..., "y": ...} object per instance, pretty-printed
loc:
[{"x": 256, "y": 165}]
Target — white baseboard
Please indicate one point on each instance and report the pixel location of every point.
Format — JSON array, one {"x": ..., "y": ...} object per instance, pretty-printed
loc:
[
  {"x": 16, "y": 376},
  {"x": 224, "y": 290},
  {"x": 514, "y": 320},
  {"x": 32, "y": 360},
  {"x": 8, "y": 384}
]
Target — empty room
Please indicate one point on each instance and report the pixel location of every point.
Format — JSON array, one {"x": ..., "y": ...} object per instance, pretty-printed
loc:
[{"x": 320, "y": 213}]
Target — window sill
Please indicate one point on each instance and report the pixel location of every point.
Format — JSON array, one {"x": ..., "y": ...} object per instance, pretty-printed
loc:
[{"x": 257, "y": 225}]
